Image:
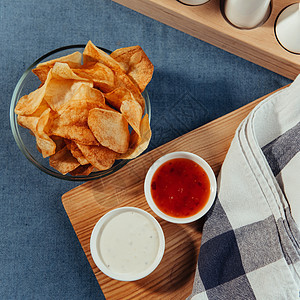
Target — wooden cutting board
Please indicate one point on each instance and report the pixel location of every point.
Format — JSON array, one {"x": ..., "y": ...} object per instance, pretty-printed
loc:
[{"x": 85, "y": 204}]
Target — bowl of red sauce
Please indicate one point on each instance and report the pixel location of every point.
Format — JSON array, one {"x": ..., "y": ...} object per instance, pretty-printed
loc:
[{"x": 180, "y": 187}]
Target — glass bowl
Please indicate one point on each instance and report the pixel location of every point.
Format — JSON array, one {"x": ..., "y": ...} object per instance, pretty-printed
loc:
[{"x": 27, "y": 142}]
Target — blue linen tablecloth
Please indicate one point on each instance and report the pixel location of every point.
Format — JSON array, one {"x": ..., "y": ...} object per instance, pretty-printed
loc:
[{"x": 193, "y": 83}]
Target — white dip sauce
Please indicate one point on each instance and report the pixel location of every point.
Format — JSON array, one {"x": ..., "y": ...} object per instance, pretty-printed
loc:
[{"x": 128, "y": 243}]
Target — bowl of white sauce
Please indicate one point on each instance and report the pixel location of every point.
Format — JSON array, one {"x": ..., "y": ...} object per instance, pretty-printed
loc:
[{"x": 127, "y": 244}]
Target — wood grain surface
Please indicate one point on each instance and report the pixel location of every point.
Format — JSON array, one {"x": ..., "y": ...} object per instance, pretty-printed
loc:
[
  {"x": 206, "y": 22},
  {"x": 85, "y": 204}
]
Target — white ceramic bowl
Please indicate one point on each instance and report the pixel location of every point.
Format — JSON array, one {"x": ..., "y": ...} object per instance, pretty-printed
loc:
[
  {"x": 205, "y": 166},
  {"x": 127, "y": 244}
]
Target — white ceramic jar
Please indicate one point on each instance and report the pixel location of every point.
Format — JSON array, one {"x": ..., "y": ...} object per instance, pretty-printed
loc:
[
  {"x": 193, "y": 2},
  {"x": 247, "y": 14},
  {"x": 287, "y": 28}
]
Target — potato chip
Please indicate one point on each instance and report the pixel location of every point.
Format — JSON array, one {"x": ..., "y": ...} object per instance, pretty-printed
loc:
[
  {"x": 117, "y": 96},
  {"x": 63, "y": 161},
  {"x": 43, "y": 140},
  {"x": 61, "y": 85},
  {"x": 59, "y": 142},
  {"x": 138, "y": 144},
  {"x": 28, "y": 104},
  {"x": 136, "y": 65},
  {"x": 59, "y": 92},
  {"x": 88, "y": 93},
  {"x": 72, "y": 123},
  {"x": 110, "y": 129},
  {"x": 41, "y": 108},
  {"x": 83, "y": 170},
  {"x": 42, "y": 69},
  {"x": 28, "y": 122},
  {"x": 101, "y": 75},
  {"x": 92, "y": 53},
  {"x": 100, "y": 157},
  {"x": 38, "y": 127},
  {"x": 63, "y": 71},
  {"x": 76, "y": 152},
  {"x": 55, "y": 91},
  {"x": 132, "y": 112}
]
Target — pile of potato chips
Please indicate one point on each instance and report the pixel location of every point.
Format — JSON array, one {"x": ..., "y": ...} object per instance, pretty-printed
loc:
[{"x": 85, "y": 116}]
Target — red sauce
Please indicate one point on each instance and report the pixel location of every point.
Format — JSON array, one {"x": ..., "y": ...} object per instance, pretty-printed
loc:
[{"x": 180, "y": 188}]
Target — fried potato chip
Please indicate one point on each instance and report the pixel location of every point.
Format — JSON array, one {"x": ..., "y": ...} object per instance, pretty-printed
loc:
[
  {"x": 63, "y": 71},
  {"x": 28, "y": 122},
  {"x": 136, "y": 64},
  {"x": 124, "y": 81},
  {"x": 61, "y": 85},
  {"x": 83, "y": 170},
  {"x": 63, "y": 161},
  {"x": 59, "y": 141},
  {"x": 101, "y": 75},
  {"x": 41, "y": 108},
  {"x": 72, "y": 123},
  {"x": 90, "y": 94},
  {"x": 100, "y": 157},
  {"x": 38, "y": 127},
  {"x": 55, "y": 91},
  {"x": 59, "y": 92},
  {"x": 92, "y": 53},
  {"x": 117, "y": 96},
  {"x": 138, "y": 144},
  {"x": 132, "y": 112},
  {"x": 28, "y": 104},
  {"x": 110, "y": 129},
  {"x": 43, "y": 140},
  {"x": 76, "y": 152},
  {"x": 42, "y": 69}
]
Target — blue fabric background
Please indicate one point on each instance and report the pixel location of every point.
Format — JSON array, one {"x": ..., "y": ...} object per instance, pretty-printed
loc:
[{"x": 193, "y": 83}]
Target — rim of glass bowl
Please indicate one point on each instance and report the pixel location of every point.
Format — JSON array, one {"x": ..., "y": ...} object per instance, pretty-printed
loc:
[{"x": 15, "y": 126}]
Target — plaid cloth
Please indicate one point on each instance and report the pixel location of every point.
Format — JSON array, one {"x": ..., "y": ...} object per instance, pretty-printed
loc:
[{"x": 250, "y": 247}]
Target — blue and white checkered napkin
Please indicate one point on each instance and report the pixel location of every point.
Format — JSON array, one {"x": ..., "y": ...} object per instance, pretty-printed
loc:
[{"x": 250, "y": 246}]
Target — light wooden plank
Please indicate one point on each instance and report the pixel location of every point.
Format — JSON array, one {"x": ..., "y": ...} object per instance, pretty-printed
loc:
[{"x": 207, "y": 23}]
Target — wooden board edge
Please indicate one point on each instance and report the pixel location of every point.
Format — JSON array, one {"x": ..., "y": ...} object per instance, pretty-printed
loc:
[{"x": 279, "y": 61}]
